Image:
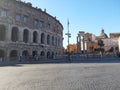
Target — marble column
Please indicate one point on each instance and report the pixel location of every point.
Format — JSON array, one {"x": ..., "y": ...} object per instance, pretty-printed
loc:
[{"x": 83, "y": 45}]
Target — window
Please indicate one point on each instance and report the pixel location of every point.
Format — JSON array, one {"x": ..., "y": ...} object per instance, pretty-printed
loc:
[
  {"x": 41, "y": 24},
  {"x": 48, "y": 25},
  {"x": 25, "y": 19},
  {"x": 18, "y": 17},
  {"x": 36, "y": 23},
  {"x": 4, "y": 13},
  {"x": 19, "y": 8}
]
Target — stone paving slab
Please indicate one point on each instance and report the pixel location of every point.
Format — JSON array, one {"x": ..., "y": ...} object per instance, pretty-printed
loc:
[{"x": 67, "y": 76}]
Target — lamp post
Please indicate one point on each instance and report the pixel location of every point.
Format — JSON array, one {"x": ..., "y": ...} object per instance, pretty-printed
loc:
[{"x": 68, "y": 35}]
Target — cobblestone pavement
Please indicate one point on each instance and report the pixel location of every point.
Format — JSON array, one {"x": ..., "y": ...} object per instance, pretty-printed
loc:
[{"x": 66, "y": 76}]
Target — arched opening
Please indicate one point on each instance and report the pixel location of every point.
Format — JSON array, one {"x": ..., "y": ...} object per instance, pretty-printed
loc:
[
  {"x": 53, "y": 55},
  {"x": 42, "y": 38},
  {"x": 2, "y": 33},
  {"x": 56, "y": 41},
  {"x": 48, "y": 55},
  {"x": 25, "y": 53},
  {"x": 2, "y": 54},
  {"x": 59, "y": 42},
  {"x": 48, "y": 39},
  {"x": 13, "y": 55},
  {"x": 26, "y": 36},
  {"x": 42, "y": 53},
  {"x": 52, "y": 40},
  {"x": 35, "y": 37},
  {"x": 14, "y": 35},
  {"x": 34, "y": 53}
]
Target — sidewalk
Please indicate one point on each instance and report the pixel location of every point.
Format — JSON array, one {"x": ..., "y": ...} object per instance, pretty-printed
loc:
[{"x": 80, "y": 60}]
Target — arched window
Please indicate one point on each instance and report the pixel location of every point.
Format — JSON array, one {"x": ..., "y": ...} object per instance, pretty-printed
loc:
[
  {"x": 56, "y": 41},
  {"x": 25, "y": 35},
  {"x": 35, "y": 37},
  {"x": 52, "y": 40},
  {"x": 48, "y": 39},
  {"x": 42, "y": 38},
  {"x": 2, "y": 32},
  {"x": 14, "y": 35}
]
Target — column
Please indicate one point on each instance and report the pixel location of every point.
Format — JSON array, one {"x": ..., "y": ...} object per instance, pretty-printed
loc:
[
  {"x": 79, "y": 44},
  {"x": 45, "y": 38},
  {"x": 83, "y": 45},
  {"x": 39, "y": 37},
  {"x": 7, "y": 54},
  {"x": 31, "y": 37},
  {"x": 20, "y": 35},
  {"x": 8, "y": 33}
]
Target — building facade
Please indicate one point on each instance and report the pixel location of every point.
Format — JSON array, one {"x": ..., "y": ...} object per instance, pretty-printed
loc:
[
  {"x": 26, "y": 30},
  {"x": 114, "y": 35}
]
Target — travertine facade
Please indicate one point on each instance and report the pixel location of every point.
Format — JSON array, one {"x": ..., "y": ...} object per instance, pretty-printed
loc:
[{"x": 25, "y": 30}]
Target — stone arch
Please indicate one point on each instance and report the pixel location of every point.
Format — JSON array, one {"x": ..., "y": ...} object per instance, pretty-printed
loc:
[
  {"x": 2, "y": 32},
  {"x": 25, "y": 53},
  {"x": 42, "y": 38},
  {"x": 52, "y": 40},
  {"x": 42, "y": 53},
  {"x": 14, "y": 34},
  {"x": 26, "y": 35},
  {"x": 48, "y": 39},
  {"x": 35, "y": 37},
  {"x": 34, "y": 53},
  {"x": 56, "y": 41},
  {"x": 13, "y": 55},
  {"x": 2, "y": 53},
  {"x": 48, "y": 54}
]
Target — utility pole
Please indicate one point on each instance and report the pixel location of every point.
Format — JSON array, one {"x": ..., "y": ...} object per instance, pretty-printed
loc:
[{"x": 69, "y": 35}]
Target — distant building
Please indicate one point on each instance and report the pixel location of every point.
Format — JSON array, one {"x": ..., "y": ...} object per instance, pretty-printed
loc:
[
  {"x": 102, "y": 35},
  {"x": 119, "y": 43},
  {"x": 114, "y": 35},
  {"x": 109, "y": 43},
  {"x": 26, "y": 30}
]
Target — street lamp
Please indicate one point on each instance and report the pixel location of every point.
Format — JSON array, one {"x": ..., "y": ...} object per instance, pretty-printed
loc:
[{"x": 69, "y": 36}]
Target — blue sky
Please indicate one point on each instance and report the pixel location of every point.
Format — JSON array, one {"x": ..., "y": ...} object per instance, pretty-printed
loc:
[{"x": 84, "y": 15}]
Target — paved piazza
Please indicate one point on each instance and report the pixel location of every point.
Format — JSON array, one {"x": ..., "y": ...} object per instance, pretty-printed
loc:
[{"x": 66, "y": 76}]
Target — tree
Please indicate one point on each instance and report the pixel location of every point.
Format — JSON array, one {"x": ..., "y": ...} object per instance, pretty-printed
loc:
[
  {"x": 72, "y": 48},
  {"x": 111, "y": 49},
  {"x": 100, "y": 43}
]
